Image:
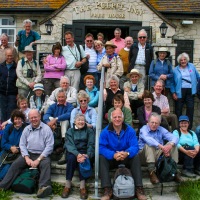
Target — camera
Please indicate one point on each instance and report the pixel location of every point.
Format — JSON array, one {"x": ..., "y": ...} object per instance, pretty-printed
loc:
[{"x": 29, "y": 73}]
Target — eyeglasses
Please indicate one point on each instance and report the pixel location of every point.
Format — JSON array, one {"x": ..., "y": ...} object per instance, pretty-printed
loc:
[
  {"x": 89, "y": 41},
  {"x": 142, "y": 37},
  {"x": 83, "y": 100},
  {"x": 97, "y": 45},
  {"x": 64, "y": 83}
]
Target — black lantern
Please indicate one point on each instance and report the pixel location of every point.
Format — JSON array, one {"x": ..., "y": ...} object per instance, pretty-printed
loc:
[
  {"x": 49, "y": 27},
  {"x": 163, "y": 29}
]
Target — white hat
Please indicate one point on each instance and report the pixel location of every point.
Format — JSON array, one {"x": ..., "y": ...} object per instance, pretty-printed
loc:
[
  {"x": 163, "y": 49},
  {"x": 28, "y": 48},
  {"x": 38, "y": 86}
]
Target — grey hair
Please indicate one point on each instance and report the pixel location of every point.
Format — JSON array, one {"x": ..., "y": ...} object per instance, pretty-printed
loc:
[
  {"x": 154, "y": 114},
  {"x": 4, "y": 35},
  {"x": 142, "y": 31},
  {"x": 118, "y": 29},
  {"x": 115, "y": 78},
  {"x": 83, "y": 94},
  {"x": 128, "y": 37},
  {"x": 185, "y": 55},
  {"x": 61, "y": 91},
  {"x": 79, "y": 115},
  {"x": 112, "y": 114},
  {"x": 27, "y": 21},
  {"x": 64, "y": 77},
  {"x": 160, "y": 81}
]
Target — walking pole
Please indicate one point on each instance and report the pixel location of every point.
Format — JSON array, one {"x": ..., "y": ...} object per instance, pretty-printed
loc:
[{"x": 4, "y": 159}]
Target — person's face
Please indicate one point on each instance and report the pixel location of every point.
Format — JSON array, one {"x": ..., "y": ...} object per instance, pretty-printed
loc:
[
  {"x": 64, "y": 84},
  {"x": 83, "y": 102},
  {"x": 89, "y": 42},
  {"x": 29, "y": 55},
  {"x": 117, "y": 34},
  {"x": 89, "y": 84},
  {"x": 57, "y": 52},
  {"x": 23, "y": 105},
  {"x": 38, "y": 93},
  {"x": 100, "y": 38},
  {"x": 148, "y": 102},
  {"x": 184, "y": 125},
  {"x": 117, "y": 118},
  {"x": 80, "y": 122},
  {"x": 113, "y": 84},
  {"x": 158, "y": 88},
  {"x": 61, "y": 98},
  {"x": 134, "y": 78},
  {"x": 142, "y": 38},
  {"x": 154, "y": 123},
  {"x": 18, "y": 122},
  {"x": 69, "y": 39},
  {"x": 110, "y": 50},
  {"x": 98, "y": 47},
  {"x": 4, "y": 41},
  {"x": 118, "y": 104},
  {"x": 162, "y": 55},
  {"x": 183, "y": 62},
  {"x": 128, "y": 42},
  {"x": 27, "y": 27},
  {"x": 9, "y": 56},
  {"x": 34, "y": 118}
]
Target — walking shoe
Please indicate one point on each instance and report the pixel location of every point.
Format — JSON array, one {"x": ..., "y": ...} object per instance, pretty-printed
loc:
[
  {"x": 188, "y": 173},
  {"x": 83, "y": 193},
  {"x": 107, "y": 193},
  {"x": 66, "y": 192},
  {"x": 178, "y": 178},
  {"x": 62, "y": 161},
  {"x": 153, "y": 178},
  {"x": 139, "y": 192},
  {"x": 44, "y": 191}
]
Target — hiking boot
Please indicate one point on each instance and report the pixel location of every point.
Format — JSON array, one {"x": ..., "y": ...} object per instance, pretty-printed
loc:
[
  {"x": 44, "y": 191},
  {"x": 83, "y": 193},
  {"x": 139, "y": 192},
  {"x": 188, "y": 173},
  {"x": 66, "y": 192},
  {"x": 178, "y": 178},
  {"x": 197, "y": 171},
  {"x": 153, "y": 178},
  {"x": 107, "y": 193},
  {"x": 62, "y": 161}
]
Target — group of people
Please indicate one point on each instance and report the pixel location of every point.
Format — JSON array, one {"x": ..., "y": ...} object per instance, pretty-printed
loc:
[{"x": 65, "y": 98}]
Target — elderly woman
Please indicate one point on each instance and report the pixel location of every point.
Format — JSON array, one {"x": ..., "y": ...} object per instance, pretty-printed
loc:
[
  {"x": 89, "y": 112},
  {"x": 111, "y": 61},
  {"x": 10, "y": 141},
  {"x": 188, "y": 147},
  {"x": 184, "y": 86},
  {"x": 161, "y": 68},
  {"x": 80, "y": 144},
  {"x": 54, "y": 67},
  {"x": 134, "y": 88}
]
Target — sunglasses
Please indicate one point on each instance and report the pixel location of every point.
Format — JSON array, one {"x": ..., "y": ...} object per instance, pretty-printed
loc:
[
  {"x": 83, "y": 100},
  {"x": 142, "y": 37},
  {"x": 89, "y": 41}
]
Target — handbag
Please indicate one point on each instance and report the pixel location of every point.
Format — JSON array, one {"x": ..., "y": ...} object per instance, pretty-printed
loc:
[{"x": 85, "y": 168}]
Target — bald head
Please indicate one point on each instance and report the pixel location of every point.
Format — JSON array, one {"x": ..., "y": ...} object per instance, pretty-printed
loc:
[
  {"x": 34, "y": 118},
  {"x": 9, "y": 55}
]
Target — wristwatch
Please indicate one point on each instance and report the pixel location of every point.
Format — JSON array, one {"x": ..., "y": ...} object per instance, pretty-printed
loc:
[
  {"x": 128, "y": 153},
  {"x": 39, "y": 159}
]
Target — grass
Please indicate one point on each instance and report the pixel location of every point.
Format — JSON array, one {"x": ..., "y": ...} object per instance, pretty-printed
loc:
[
  {"x": 6, "y": 195},
  {"x": 57, "y": 188}
]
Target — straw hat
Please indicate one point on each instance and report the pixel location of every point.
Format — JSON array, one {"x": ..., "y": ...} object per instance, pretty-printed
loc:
[
  {"x": 134, "y": 71},
  {"x": 111, "y": 44},
  {"x": 28, "y": 48},
  {"x": 163, "y": 49}
]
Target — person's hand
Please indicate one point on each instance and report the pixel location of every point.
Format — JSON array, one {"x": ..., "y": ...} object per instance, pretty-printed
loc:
[
  {"x": 44, "y": 61},
  {"x": 88, "y": 56},
  {"x": 52, "y": 123},
  {"x": 174, "y": 96},
  {"x": 166, "y": 149},
  {"x": 117, "y": 156},
  {"x": 28, "y": 161},
  {"x": 139, "y": 96},
  {"x": 81, "y": 158},
  {"x": 78, "y": 64},
  {"x": 108, "y": 65},
  {"x": 123, "y": 155},
  {"x": 3, "y": 125},
  {"x": 31, "y": 85},
  {"x": 35, "y": 163},
  {"x": 191, "y": 153},
  {"x": 127, "y": 89},
  {"x": 89, "y": 125},
  {"x": 163, "y": 77},
  {"x": 14, "y": 149}
]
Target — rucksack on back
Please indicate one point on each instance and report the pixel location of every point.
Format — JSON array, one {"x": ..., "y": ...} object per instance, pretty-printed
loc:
[{"x": 123, "y": 187}]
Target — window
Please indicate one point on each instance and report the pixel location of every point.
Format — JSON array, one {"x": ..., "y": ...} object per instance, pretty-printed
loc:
[{"x": 8, "y": 26}]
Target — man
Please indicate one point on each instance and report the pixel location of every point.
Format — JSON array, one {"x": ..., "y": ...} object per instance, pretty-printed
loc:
[
  {"x": 118, "y": 144},
  {"x": 162, "y": 102},
  {"x": 8, "y": 89},
  {"x": 26, "y": 37},
  {"x": 124, "y": 55},
  {"x": 151, "y": 145},
  {"x": 28, "y": 72},
  {"x": 117, "y": 40},
  {"x": 36, "y": 145},
  {"x": 141, "y": 55},
  {"x": 73, "y": 59},
  {"x": 4, "y": 45}
]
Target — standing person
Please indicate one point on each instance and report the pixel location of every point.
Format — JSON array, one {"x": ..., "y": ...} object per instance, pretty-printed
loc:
[
  {"x": 124, "y": 55},
  {"x": 117, "y": 40},
  {"x": 54, "y": 67},
  {"x": 28, "y": 72},
  {"x": 141, "y": 55},
  {"x": 26, "y": 37},
  {"x": 184, "y": 86},
  {"x": 100, "y": 37},
  {"x": 36, "y": 145},
  {"x": 8, "y": 89},
  {"x": 73, "y": 59}
]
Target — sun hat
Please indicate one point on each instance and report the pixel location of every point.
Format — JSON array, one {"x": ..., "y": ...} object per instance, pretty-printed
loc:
[
  {"x": 163, "y": 49},
  {"x": 134, "y": 71},
  {"x": 183, "y": 118},
  {"x": 110, "y": 43},
  {"x": 38, "y": 86},
  {"x": 28, "y": 48},
  {"x": 85, "y": 168}
]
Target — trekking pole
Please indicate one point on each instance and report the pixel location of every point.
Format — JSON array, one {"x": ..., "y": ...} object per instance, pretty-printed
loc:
[{"x": 4, "y": 159}]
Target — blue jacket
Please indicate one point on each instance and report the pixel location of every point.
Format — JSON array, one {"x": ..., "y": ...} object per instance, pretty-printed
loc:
[
  {"x": 110, "y": 143},
  {"x": 156, "y": 69},
  {"x": 63, "y": 112},
  {"x": 94, "y": 97},
  {"x": 177, "y": 80}
]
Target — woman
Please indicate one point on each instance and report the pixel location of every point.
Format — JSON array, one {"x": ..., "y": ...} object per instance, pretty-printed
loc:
[
  {"x": 145, "y": 111},
  {"x": 10, "y": 141},
  {"x": 91, "y": 90},
  {"x": 188, "y": 148},
  {"x": 118, "y": 102},
  {"x": 80, "y": 144},
  {"x": 83, "y": 108},
  {"x": 184, "y": 86},
  {"x": 111, "y": 61},
  {"x": 161, "y": 68},
  {"x": 54, "y": 67},
  {"x": 134, "y": 88}
]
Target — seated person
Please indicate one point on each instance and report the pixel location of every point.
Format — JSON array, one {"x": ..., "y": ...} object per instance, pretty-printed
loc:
[
  {"x": 134, "y": 88},
  {"x": 114, "y": 152},
  {"x": 10, "y": 140},
  {"x": 118, "y": 102},
  {"x": 36, "y": 144},
  {"x": 151, "y": 145},
  {"x": 89, "y": 112},
  {"x": 188, "y": 147},
  {"x": 80, "y": 144},
  {"x": 162, "y": 102}
]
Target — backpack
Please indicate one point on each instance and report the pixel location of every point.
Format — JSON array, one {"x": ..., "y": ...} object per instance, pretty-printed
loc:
[
  {"x": 123, "y": 187},
  {"x": 23, "y": 62},
  {"x": 168, "y": 64}
]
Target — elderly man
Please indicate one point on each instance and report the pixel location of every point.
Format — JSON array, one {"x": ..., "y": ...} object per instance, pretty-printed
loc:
[
  {"x": 36, "y": 145},
  {"x": 4, "y": 45},
  {"x": 114, "y": 152},
  {"x": 141, "y": 55},
  {"x": 26, "y": 37},
  {"x": 117, "y": 40},
  {"x": 8, "y": 89},
  {"x": 151, "y": 145},
  {"x": 162, "y": 102}
]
